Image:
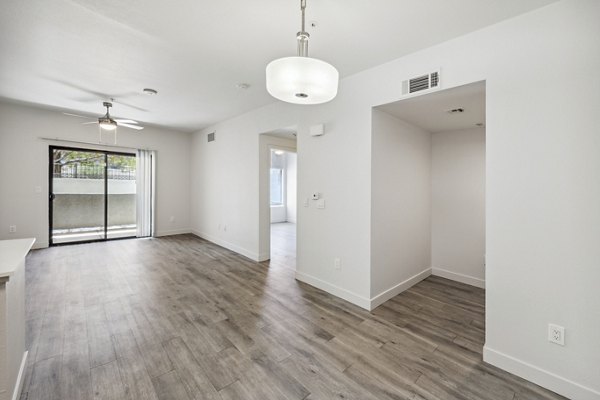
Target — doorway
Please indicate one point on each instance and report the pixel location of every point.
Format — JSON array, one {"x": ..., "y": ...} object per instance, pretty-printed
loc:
[
  {"x": 278, "y": 197},
  {"x": 92, "y": 195},
  {"x": 282, "y": 202}
]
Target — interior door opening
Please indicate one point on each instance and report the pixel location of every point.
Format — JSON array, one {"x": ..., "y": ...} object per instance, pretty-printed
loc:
[
  {"x": 277, "y": 196},
  {"x": 282, "y": 202},
  {"x": 92, "y": 195}
]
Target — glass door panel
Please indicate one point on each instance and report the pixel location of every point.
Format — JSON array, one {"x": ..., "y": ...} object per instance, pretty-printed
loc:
[
  {"x": 77, "y": 188},
  {"x": 121, "y": 186}
]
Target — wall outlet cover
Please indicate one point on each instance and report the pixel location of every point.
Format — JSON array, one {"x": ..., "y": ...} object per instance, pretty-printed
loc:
[
  {"x": 337, "y": 264},
  {"x": 556, "y": 334}
]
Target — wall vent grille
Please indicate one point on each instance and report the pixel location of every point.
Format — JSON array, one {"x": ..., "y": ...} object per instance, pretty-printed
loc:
[
  {"x": 421, "y": 82},
  {"x": 211, "y": 137}
]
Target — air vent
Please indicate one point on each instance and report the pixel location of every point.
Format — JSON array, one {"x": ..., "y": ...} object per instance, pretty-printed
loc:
[
  {"x": 435, "y": 79},
  {"x": 211, "y": 137},
  {"x": 421, "y": 82},
  {"x": 418, "y": 84}
]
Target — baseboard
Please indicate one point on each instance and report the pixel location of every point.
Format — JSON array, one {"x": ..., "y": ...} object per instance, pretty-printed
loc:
[
  {"x": 20, "y": 377},
  {"x": 548, "y": 380},
  {"x": 455, "y": 276},
  {"x": 263, "y": 257},
  {"x": 172, "y": 232},
  {"x": 39, "y": 245},
  {"x": 337, "y": 291},
  {"x": 399, "y": 288},
  {"x": 230, "y": 246}
]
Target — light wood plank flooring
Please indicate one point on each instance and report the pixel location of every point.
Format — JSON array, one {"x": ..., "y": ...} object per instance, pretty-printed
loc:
[{"x": 181, "y": 318}]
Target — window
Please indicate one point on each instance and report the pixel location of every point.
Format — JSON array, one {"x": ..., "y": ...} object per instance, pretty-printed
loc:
[{"x": 276, "y": 186}]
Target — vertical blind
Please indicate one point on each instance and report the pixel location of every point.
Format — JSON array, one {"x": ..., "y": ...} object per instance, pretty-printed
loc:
[{"x": 145, "y": 192}]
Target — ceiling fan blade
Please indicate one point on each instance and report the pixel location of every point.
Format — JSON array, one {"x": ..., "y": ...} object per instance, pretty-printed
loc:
[
  {"x": 126, "y": 121},
  {"x": 78, "y": 116},
  {"x": 88, "y": 123},
  {"x": 136, "y": 127}
]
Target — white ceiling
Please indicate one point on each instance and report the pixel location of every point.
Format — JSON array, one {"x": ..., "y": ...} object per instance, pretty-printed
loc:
[
  {"x": 72, "y": 54},
  {"x": 430, "y": 111}
]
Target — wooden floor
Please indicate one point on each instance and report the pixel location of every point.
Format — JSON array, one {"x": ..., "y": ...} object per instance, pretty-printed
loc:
[{"x": 181, "y": 318}]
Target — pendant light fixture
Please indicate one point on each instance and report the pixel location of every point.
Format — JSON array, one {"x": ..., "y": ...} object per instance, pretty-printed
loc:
[{"x": 301, "y": 79}]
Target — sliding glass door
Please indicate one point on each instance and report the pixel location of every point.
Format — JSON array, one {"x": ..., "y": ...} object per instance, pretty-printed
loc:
[
  {"x": 92, "y": 195},
  {"x": 121, "y": 192}
]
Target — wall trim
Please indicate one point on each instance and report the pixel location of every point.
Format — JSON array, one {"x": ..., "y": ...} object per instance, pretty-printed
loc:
[
  {"x": 39, "y": 245},
  {"x": 539, "y": 376},
  {"x": 337, "y": 291},
  {"x": 263, "y": 257},
  {"x": 455, "y": 276},
  {"x": 172, "y": 232},
  {"x": 399, "y": 288},
  {"x": 20, "y": 377},
  {"x": 228, "y": 245}
]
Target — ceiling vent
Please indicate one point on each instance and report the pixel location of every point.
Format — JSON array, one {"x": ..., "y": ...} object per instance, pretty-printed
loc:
[
  {"x": 211, "y": 137},
  {"x": 421, "y": 82}
]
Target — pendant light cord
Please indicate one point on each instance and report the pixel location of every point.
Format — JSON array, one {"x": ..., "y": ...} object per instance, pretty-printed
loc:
[
  {"x": 303, "y": 8},
  {"x": 303, "y": 36}
]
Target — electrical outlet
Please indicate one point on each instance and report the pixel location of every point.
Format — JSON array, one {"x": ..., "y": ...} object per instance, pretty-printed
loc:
[
  {"x": 556, "y": 334},
  {"x": 12, "y": 229},
  {"x": 337, "y": 264}
]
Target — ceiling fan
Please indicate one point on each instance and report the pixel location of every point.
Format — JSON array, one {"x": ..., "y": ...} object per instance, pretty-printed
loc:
[{"x": 107, "y": 123}]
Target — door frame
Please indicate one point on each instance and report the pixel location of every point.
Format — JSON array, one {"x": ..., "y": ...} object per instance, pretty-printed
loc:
[{"x": 106, "y": 153}]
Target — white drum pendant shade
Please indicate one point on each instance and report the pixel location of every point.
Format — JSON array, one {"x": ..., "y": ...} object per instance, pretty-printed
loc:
[{"x": 302, "y": 80}]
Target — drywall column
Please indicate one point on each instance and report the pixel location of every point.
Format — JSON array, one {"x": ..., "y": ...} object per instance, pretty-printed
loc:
[
  {"x": 458, "y": 205},
  {"x": 13, "y": 357}
]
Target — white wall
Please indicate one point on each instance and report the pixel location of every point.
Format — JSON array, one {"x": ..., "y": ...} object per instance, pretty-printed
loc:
[
  {"x": 278, "y": 214},
  {"x": 291, "y": 187},
  {"x": 542, "y": 186},
  {"x": 24, "y": 166},
  {"x": 336, "y": 165},
  {"x": 400, "y": 205},
  {"x": 458, "y": 205}
]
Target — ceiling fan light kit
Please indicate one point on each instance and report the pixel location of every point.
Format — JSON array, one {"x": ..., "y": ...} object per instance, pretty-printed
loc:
[
  {"x": 301, "y": 79},
  {"x": 107, "y": 123}
]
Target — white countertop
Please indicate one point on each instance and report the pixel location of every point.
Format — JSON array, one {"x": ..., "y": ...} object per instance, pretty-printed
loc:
[{"x": 12, "y": 252}]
